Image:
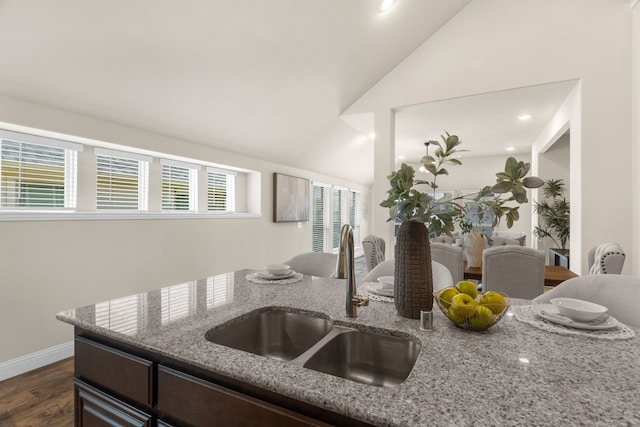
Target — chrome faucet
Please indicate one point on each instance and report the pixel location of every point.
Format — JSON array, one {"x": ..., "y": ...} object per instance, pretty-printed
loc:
[{"x": 345, "y": 269}]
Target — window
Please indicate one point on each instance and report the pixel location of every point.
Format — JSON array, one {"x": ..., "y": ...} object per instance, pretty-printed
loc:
[
  {"x": 221, "y": 190},
  {"x": 122, "y": 180},
  {"x": 354, "y": 215},
  {"x": 320, "y": 225},
  {"x": 339, "y": 213},
  {"x": 37, "y": 172},
  {"x": 179, "y": 186}
]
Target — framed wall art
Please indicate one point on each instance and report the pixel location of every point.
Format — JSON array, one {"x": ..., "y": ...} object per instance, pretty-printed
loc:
[{"x": 290, "y": 198}]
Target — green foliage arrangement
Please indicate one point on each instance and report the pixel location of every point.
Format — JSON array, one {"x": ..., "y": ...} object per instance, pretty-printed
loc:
[
  {"x": 406, "y": 203},
  {"x": 553, "y": 214}
]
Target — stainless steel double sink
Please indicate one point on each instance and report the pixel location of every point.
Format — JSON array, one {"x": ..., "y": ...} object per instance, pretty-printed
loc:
[{"x": 311, "y": 340}]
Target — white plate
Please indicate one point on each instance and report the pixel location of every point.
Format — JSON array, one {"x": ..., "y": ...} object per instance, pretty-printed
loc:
[
  {"x": 377, "y": 289},
  {"x": 550, "y": 311},
  {"x": 267, "y": 276}
]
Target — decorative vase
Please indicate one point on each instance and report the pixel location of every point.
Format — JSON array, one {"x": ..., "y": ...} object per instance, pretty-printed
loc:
[
  {"x": 413, "y": 280},
  {"x": 473, "y": 247}
]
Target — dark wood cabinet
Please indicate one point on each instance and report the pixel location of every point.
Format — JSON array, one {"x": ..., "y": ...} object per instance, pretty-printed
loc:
[
  {"x": 197, "y": 402},
  {"x": 119, "y": 385},
  {"x": 94, "y": 408}
]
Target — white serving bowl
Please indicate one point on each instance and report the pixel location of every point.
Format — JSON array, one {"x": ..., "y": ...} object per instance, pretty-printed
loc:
[
  {"x": 577, "y": 309},
  {"x": 387, "y": 282},
  {"x": 277, "y": 269}
]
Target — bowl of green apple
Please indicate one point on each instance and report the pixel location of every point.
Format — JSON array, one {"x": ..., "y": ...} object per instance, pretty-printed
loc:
[{"x": 468, "y": 309}]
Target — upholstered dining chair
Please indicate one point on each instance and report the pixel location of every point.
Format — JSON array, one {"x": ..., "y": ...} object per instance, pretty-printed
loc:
[
  {"x": 441, "y": 275},
  {"x": 373, "y": 247},
  {"x": 607, "y": 258},
  {"x": 618, "y": 292},
  {"x": 450, "y": 256},
  {"x": 320, "y": 264},
  {"x": 517, "y": 271}
]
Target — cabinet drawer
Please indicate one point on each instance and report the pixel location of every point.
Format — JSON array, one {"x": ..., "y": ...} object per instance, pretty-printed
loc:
[
  {"x": 96, "y": 409},
  {"x": 123, "y": 373},
  {"x": 200, "y": 403}
]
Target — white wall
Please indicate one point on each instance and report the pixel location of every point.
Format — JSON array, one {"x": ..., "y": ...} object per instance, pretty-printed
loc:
[
  {"x": 504, "y": 44},
  {"x": 50, "y": 266}
]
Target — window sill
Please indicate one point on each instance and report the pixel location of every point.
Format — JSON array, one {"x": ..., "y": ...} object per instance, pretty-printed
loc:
[{"x": 102, "y": 216}]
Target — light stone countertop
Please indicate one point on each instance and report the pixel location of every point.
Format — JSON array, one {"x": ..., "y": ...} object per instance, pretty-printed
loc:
[{"x": 460, "y": 378}]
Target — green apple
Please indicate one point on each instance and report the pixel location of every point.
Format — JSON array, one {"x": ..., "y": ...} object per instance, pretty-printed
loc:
[
  {"x": 455, "y": 318},
  {"x": 482, "y": 319},
  {"x": 446, "y": 295},
  {"x": 468, "y": 288},
  {"x": 463, "y": 305},
  {"x": 494, "y": 301}
]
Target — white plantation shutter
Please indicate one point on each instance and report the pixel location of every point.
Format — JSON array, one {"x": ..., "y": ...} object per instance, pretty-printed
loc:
[
  {"x": 339, "y": 213},
  {"x": 320, "y": 225},
  {"x": 221, "y": 190},
  {"x": 122, "y": 180},
  {"x": 37, "y": 172},
  {"x": 179, "y": 186},
  {"x": 354, "y": 215}
]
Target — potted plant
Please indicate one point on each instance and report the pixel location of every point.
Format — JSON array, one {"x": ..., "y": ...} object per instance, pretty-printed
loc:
[
  {"x": 421, "y": 214},
  {"x": 553, "y": 215}
]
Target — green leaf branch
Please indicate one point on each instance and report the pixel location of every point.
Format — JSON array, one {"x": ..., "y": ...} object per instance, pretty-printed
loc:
[{"x": 406, "y": 203}]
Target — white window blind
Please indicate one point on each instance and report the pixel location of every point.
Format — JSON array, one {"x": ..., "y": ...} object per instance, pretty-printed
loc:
[
  {"x": 122, "y": 181},
  {"x": 179, "y": 186},
  {"x": 320, "y": 226},
  {"x": 37, "y": 172},
  {"x": 354, "y": 215},
  {"x": 339, "y": 213},
  {"x": 221, "y": 190}
]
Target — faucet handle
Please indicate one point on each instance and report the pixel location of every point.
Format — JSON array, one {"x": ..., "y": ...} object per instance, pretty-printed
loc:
[{"x": 360, "y": 300}]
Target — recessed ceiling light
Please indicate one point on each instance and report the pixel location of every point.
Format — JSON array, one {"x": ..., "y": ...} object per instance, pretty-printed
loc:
[
  {"x": 372, "y": 135},
  {"x": 510, "y": 148},
  {"x": 524, "y": 117},
  {"x": 386, "y": 5},
  {"x": 401, "y": 157}
]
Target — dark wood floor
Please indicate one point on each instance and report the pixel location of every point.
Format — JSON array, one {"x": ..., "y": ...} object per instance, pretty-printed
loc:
[{"x": 42, "y": 397}]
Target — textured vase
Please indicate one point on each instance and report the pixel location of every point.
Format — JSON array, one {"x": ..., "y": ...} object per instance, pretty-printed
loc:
[
  {"x": 473, "y": 247},
  {"x": 413, "y": 280}
]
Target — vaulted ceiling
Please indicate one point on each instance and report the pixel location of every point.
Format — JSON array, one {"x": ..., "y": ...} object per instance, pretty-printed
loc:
[{"x": 264, "y": 78}]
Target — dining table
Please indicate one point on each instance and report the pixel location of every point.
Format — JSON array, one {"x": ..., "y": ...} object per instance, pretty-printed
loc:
[{"x": 553, "y": 274}]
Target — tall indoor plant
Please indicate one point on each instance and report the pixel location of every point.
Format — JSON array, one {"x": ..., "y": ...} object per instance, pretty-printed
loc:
[
  {"x": 421, "y": 214},
  {"x": 553, "y": 214}
]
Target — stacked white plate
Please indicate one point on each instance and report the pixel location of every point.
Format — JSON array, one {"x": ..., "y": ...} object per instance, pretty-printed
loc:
[{"x": 383, "y": 287}]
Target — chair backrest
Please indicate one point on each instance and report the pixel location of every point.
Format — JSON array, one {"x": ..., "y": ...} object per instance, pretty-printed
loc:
[
  {"x": 441, "y": 275},
  {"x": 451, "y": 257},
  {"x": 517, "y": 271},
  {"x": 320, "y": 264},
  {"x": 607, "y": 258},
  {"x": 618, "y": 292},
  {"x": 373, "y": 247}
]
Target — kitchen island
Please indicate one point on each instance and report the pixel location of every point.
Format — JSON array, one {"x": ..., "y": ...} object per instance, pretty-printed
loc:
[{"x": 511, "y": 374}]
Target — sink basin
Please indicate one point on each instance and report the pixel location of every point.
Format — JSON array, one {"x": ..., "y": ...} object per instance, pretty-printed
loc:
[
  {"x": 365, "y": 357},
  {"x": 311, "y": 340},
  {"x": 276, "y": 333}
]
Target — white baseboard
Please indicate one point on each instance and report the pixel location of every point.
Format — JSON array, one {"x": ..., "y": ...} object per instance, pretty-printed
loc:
[{"x": 32, "y": 361}]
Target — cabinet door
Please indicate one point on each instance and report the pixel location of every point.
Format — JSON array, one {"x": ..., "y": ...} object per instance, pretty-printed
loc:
[
  {"x": 94, "y": 408},
  {"x": 123, "y": 373},
  {"x": 197, "y": 402}
]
